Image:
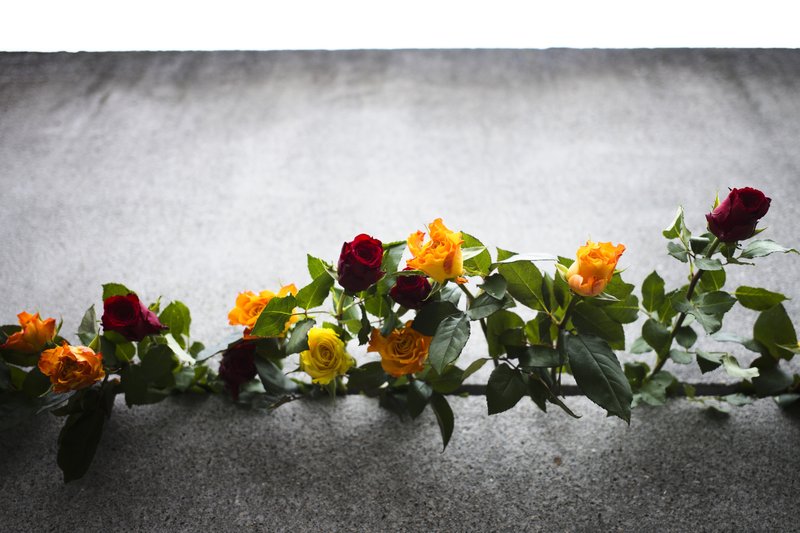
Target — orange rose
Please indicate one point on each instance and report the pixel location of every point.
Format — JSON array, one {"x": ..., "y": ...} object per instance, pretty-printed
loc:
[
  {"x": 591, "y": 272},
  {"x": 403, "y": 352},
  {"x": 34, "y": 336},
  {"x": 71, "y": 367},
  {"x": 440, "y": 257},
  {"x": 249, "y": 305}
]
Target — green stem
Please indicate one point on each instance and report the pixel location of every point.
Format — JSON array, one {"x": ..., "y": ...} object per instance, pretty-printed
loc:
[
  {"x": 662, "y": 359},
  {"x": 484, "y": 327},
  {"x": 562, "y": 324},
  {"x": 340, "y": 307}
]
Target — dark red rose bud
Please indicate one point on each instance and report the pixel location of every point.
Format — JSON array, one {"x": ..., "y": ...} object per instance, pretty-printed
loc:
[
  {"x": 238, "y": 366},
  {"x": 130, "y": 317},
  {"x": 360, "y": 263},
  {"x": 410, "y": 291},
  {"x": 736, "y": 217}
]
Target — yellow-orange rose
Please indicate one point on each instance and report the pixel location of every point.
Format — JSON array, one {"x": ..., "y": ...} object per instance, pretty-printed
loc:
[
  {"x": 71, "y": 367},
  {"x": 440, "y": 257},
  {"x": 249, "y": 305},
  {"x": 34, "y": 335},
  {"x": 403, "y": 352},
  {"x": 325, "y": 358},
  {"x": 592, "y": 270}
]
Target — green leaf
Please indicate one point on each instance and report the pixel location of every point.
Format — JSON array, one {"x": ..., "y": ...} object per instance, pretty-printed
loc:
[
  {"x": 316, "y": 266},
  {"x": 450, "y": 338},
  {"x": 711, "y": 280},
  {"x": 314, "y": 294},
  {"x": 677, "y": 251},
  {"x": 640, "y": 346},
  {"x": 272, "y": 377},
  {"x": 504, "y": 389},
  {"x": 536, "y": 356},
  {"x": 592, "y": 320},
  {"x": 599, "y": 375},
  {"x": 657, "y": 336},
  {"x": 708, "y": 361},
  {"x": 761, "y": 248},
  {"x": 483, "y": 306},
  {"x": 158, "y": 363},
  {"x": 681, "y": 357},
  {"x": 758, "y": 299},
  {"x": 524, "y": 283},
  {"x": 625, "y": 311},
  {"x": 115, "y": 289},
  {"x": 474, "y": 367},
  {"x": 419, "y": 393},
  {"x": 502, "y": 255},
  {"x": 677, "y": 227},
  {"x": 497, "y": 324},
  {"x": 272, "y": 320},
  {"x": 654, "y": 390},
  {"x": 514, "y": 257},
  {"x": 774, "y": 329},
  {"x": 366, "y": 327},
  {"x": 88, "y": 329},
  {"x": 78, "y": 439},
  {"x": 653, "y": 292},
  {"x": 704, "y": 263},
  {"x": 431, "y": 315},
  {"x": 686, "y": 336},
  {"x": 478, "y": 265},
  {"x": 446, "y": 383},
  {"x": 35, "y": 384},
  {"x": 368, "y": 377},
  {"x": 298, "y": 338},
  {"x": 177, "y": 318},
  {"x": 731, "y": 366},
  {"x": 771, "y": 378},
  {"x": 495, "y": 286},
  {"x": 444, "y": 417},
  {"x": 708, "y": 308},
  {"x": 392, "y": 254}
]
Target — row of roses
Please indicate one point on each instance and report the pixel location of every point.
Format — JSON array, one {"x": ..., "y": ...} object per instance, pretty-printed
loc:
[{"x": 578, "y": 323}]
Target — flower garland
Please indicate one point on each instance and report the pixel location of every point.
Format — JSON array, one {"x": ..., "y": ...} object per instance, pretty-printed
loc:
[{"x": 418, "y": 319}]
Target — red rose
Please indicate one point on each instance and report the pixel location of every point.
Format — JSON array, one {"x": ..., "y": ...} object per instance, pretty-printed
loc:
[
  {"x": 360, "y": 263},
  {"x": 736, "y": 217},
  {"x": 410, "y": 291},
  {"x": 130, "y": 318},
  {"x": 238, "y": 366}
]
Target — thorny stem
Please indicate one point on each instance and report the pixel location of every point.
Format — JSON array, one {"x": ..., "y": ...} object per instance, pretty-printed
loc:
[{"x": 662, "y": 359}]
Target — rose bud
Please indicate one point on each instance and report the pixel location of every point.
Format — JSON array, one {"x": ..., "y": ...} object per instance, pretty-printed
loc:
[
  {"x": 71, "y": 367},
  {"x": 410, "y": 291},
  {"x": 441, "y": 257},
  {"x": 34, "y": 334},
  {"x": 238, "y": 366},
  {"x": 130, "y": 317},
  {"x": 360, "y": 263},
  {"x": 736, "y": 217},
  {"x": 593, "y": 268}
]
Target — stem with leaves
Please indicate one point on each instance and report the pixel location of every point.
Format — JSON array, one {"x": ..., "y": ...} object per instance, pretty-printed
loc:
[{"x": 662, "y": 359}]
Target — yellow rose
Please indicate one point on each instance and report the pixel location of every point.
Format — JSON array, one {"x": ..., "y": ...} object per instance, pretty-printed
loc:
[
  {"x": 403, "y": 352},
  {"x": 71, "y": 367},
  {"x": 34, "y": 335},
  {"x": 440, "y": 257},
  {"x": 249, "y": 305},
  {"x": 592, "y": 270},
  {"x": 325, "y": 358}
]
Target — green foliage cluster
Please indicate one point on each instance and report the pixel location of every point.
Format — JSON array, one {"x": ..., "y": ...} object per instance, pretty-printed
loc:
[{"x": 536, "y": 327}]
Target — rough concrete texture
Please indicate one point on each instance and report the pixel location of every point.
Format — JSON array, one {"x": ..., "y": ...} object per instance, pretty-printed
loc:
[
  {"x": 187, "y": 465},
  {"x": 197, "y": 176}
]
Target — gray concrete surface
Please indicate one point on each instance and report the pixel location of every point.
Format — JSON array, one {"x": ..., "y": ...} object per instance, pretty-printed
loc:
[
  {"x": 185, "y": 465},
  {"x": 196, "y": 176}
]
